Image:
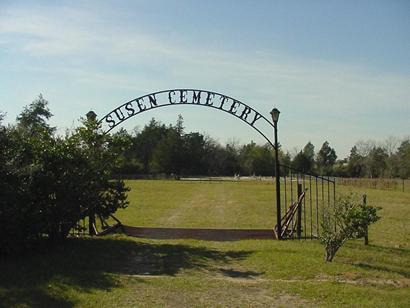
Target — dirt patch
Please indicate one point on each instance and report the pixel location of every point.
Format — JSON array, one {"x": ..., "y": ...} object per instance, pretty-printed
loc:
[
  {"x": 200, "y": 234},
  {"x": 398, "y": 283},
  {"x": 226, "y": 291},
  {"x": 238, "y": 295},
  {"x": 356, "y": 279}
]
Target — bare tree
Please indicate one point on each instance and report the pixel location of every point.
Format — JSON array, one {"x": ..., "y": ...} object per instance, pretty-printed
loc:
[
  {"x": 391, "y": 144},
  {"x": 364, "y": 147}
]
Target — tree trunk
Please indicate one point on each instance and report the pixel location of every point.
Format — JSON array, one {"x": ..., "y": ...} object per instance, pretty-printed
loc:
[
  {"x": 330, "y": 253},
  {"x": 331, "y": 250}
]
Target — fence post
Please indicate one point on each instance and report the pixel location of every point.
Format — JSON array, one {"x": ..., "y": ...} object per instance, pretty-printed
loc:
[
  {"x": 299, "y": 225},
  {"x": 366, "y": 233},
  {"x": 91, "y": 224}
]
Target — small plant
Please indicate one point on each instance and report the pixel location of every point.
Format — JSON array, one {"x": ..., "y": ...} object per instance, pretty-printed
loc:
[{"x": 348, "y": 219}]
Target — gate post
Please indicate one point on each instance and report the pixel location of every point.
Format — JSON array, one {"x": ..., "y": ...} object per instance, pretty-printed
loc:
[
  {"x": 275, "y": 117},
  {"x": 299, "y": 225},
  {"x": 91, "y": 224},
  {"x": 91, "y": 116}
]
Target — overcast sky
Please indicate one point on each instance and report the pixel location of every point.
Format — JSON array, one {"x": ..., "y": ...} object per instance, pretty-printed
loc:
[{"x": 337, "y": 70}]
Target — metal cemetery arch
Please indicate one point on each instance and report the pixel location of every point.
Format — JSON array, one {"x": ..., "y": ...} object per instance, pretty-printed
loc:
[
  {"x": 302, "y": 193},
  {"x": 210, "y": 99},
  {"x": 191, "y": 97}
]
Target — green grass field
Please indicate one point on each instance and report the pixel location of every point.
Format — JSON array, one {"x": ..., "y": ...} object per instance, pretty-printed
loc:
[{"x": 120, "y": 271}]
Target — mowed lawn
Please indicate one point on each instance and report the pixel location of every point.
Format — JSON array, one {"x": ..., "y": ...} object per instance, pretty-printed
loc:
[
  {"x": 120, "y": 271},
  {"x": 246, "y": 204}
]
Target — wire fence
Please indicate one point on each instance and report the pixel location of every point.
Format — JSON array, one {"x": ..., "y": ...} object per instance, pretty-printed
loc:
[{"x": 377, "y": 183}]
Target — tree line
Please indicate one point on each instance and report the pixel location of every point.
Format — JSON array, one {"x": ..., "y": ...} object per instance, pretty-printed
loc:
[{"x": 168, "y": 149}]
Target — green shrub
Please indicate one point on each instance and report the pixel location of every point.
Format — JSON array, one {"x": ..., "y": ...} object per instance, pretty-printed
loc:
[
  {"x": 49, "y": 183},
  {"x": 349, "y": 218}
]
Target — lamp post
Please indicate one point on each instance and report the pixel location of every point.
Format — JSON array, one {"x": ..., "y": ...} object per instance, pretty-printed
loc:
[
  {"x": 275, "y": 117},
  {"x": 91, "y": 116}
]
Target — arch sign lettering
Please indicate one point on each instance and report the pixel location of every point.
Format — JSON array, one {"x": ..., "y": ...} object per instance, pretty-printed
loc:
[{"x": 193, "y": 97}]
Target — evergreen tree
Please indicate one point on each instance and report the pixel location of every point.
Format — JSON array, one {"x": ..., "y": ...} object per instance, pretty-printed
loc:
[
  {"x": 305, "y": 159},
  {"x": 377, "y": 162},
  {"x": 146, "y": 142},
  {"x": 356, "y": 166},
  {"x": 326, "y": 158},
  {"x": 403, "y": 160},
  {"x": 35, "y": 116},
  {"x": 168, "y": 155}
]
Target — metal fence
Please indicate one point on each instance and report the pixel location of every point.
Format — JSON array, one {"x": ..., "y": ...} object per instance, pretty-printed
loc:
[
  {"x": 304, "y": 199},
  {"x": 80, "y": 229}
]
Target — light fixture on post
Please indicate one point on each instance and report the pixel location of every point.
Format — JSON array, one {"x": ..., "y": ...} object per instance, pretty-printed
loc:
[
  {"x": 275, "y": 117},
  {"x": 91, "y": 115}
]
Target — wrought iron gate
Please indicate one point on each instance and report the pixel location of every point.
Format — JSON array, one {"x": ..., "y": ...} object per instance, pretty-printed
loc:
[{"x": 304, "y": 199}]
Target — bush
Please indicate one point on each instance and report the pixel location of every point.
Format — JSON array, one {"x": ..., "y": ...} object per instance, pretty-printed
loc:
[
  {"x": 348, "y": 219},
  {"x": 49, "y": 183}
]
